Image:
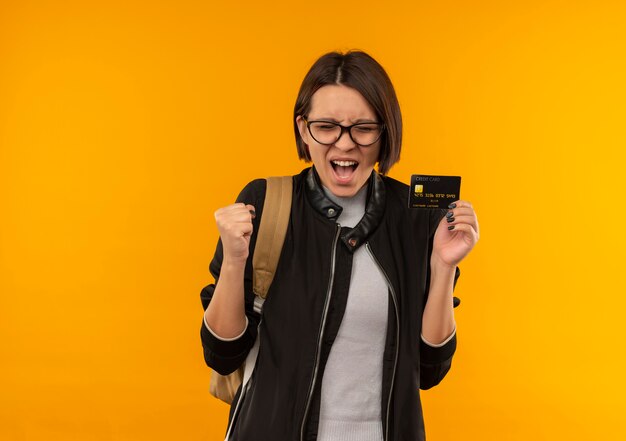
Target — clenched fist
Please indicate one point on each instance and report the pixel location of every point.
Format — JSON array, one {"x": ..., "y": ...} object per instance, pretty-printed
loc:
[{"x": 234, "y": 223}]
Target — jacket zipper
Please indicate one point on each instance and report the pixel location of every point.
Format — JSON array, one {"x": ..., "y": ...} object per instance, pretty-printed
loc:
[
  {"x": 321, "y": 332},
  {"x": 395, "y": 363}
]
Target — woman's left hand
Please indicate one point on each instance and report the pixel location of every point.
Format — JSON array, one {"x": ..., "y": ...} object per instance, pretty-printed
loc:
[{"x": 450, "y": 246}]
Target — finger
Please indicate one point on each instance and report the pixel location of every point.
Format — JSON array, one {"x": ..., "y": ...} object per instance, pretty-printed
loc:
[
  {"x": 233, "y": 224},
  {"x": 238, "y": 229},
  {"x": 465, "y": 228},
  {"x": 244, "y": 208},
  {"x": 237, "y": 206},
  {"x": 460, "y": 210},
  {"x": 223, "y": 211},
  {"x": 460, "y": 203},
  {"x": 246, "y": 229},
  {"x": 231, "y": 211},
  {"x": 252, "y": 210},
  {"x": 464, "y": 207},
  {"x": 464, "y": 219},
  {"x": 241, "y": 216}
]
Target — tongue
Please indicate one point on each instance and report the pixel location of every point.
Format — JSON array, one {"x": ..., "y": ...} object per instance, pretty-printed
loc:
[{"x": 344, "y": 171}]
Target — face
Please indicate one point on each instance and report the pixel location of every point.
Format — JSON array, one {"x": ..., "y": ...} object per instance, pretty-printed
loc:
[{"x": 346, "y": 106}]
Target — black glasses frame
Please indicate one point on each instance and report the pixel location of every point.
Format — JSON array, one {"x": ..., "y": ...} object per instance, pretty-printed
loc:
[{"x": 344, "y": 129}]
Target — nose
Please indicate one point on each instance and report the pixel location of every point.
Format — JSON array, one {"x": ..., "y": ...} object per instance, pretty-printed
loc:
[{"x": 345, "y": 142}]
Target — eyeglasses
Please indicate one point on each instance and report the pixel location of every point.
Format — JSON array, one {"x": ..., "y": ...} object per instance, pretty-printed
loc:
[{"x": 329, "y": 132}]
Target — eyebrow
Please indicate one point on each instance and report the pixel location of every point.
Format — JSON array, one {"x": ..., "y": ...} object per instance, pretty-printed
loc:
[{"x": 337, "y": 121}]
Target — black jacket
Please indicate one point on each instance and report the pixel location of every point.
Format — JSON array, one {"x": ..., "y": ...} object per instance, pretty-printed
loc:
[{"x": 306, "y": 302}]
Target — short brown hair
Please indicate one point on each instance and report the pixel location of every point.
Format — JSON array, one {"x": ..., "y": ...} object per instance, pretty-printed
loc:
[{"x": 360, "y": 71}]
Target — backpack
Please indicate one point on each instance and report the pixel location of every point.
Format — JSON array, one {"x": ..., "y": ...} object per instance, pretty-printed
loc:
[{"x": 269, "y": 244}]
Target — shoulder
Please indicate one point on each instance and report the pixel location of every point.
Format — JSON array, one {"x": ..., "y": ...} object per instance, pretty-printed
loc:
[
  {"x": 253, "y": 191},
  {"x": 397, "y": 196},
  {"x": 396, "y": 189}
]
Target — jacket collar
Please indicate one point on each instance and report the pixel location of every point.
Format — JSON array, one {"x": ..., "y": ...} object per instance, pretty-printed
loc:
[{"x": 374, "y": 207}]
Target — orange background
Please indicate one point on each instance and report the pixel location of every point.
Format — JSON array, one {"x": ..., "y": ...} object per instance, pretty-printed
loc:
[{"x": 125, "y": 125}]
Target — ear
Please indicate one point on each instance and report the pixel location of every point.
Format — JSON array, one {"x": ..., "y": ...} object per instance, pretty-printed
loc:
[{"x": 302, "y": 129}]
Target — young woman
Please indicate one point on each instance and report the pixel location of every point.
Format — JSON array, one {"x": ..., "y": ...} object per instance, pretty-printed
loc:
[{"x": 360, "y": 314}]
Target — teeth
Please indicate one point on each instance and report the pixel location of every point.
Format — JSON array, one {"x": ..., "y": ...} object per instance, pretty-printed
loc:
[{"x": 345, "y": 163}]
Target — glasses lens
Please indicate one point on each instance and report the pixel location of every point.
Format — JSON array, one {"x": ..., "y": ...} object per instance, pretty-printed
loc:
[
  {"x": 325, "y": 133},
  {"x": 328, "y": 133},
  {"x": 366, "y": 134}
]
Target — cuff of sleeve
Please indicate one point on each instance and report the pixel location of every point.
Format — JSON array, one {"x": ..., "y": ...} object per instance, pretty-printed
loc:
[
  {"x": 443, "y": 342},
  {"x": 226, "y": 348},
  {"x": 226, "y": 339},
  {"x": 436, "y": 354}
]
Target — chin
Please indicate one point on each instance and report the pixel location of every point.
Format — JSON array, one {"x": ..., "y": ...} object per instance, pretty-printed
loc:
[{"x": 347, "y": 190}]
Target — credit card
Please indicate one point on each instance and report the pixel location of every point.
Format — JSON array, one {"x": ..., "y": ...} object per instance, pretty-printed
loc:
[{"x": 430, "y": 191}]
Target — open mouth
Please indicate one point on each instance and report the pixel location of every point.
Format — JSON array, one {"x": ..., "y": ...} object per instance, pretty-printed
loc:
[{"x": 344, "y": 169}]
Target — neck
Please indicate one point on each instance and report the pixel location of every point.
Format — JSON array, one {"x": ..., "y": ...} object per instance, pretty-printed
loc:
[{"x": 353, "y": 206}]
